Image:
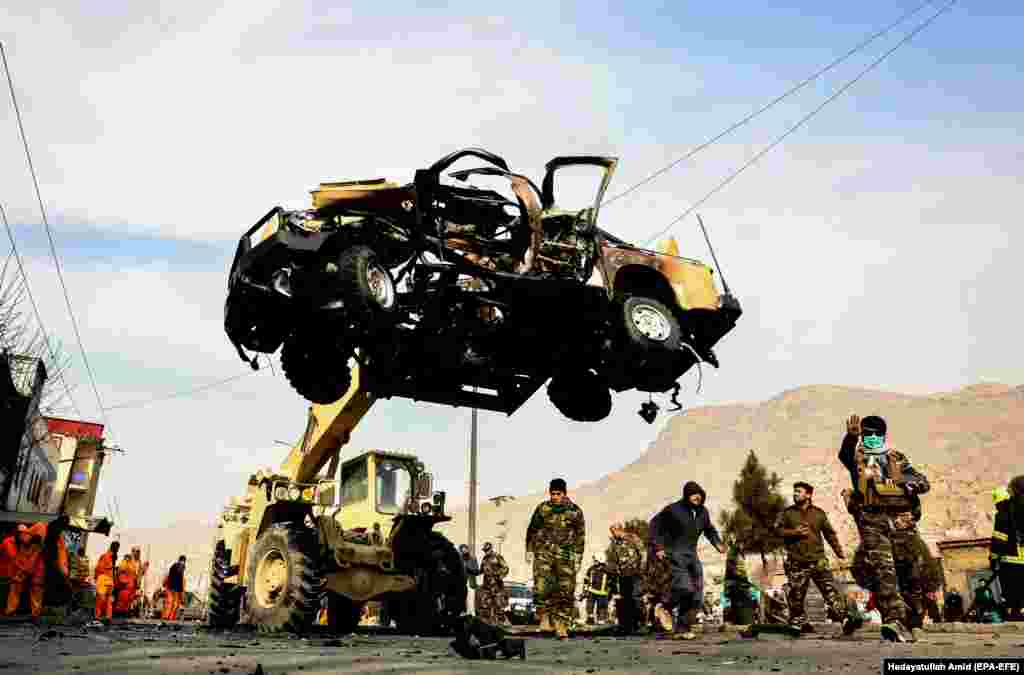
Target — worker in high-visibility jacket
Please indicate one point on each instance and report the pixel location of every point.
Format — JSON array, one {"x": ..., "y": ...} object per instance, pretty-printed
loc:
[
  {"x": 1006, "y": 550},
  {"x": 28, "y": 570},
  {"x": 104, "y": 577},
  {"x": 595, "y": 590}
]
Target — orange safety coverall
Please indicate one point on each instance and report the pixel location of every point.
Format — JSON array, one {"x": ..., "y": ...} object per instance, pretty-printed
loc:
[
  {"x": 105, "y": 586},
  {"x": 172, "y": 601},
  {"x": 28, "y": 569},
  {"x": 126, "y": 586},
  {"x": 8, "y": 553}
]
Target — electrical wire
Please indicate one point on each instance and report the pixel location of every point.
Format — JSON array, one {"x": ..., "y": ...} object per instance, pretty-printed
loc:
[
  {"x": 180, "y": 394},
  {"x": 183, "y": 394},
  {"x": 49, "y": 236},
  {"x": 35, "y": 310},
  {"x": 874, "y": 64},
  {"x": 771, "y": 104}
]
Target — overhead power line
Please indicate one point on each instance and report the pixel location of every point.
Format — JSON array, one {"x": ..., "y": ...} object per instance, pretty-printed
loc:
[
  {"x": 183, "y": 394},
  {"x": 857, "y": 48},
  {"x": 49, "y": 236},
  {"x": 874, "y": 64},
  {"x": 35, "y": 310}
]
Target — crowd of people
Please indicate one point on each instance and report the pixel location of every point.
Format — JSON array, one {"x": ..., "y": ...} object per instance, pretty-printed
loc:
[
  {"x": 660, "y": 582},
  {"x": 40, "y": 571}
]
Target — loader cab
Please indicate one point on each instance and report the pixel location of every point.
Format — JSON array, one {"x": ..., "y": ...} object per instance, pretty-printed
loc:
[{"x": 377, "y": 486}]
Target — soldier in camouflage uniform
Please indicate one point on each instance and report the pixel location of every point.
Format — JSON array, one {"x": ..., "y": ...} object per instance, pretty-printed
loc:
[
  {"x": 625, "y": 564},
  {"x": 657, "y": 591},
  {"x": 802, "y": 527},
  {"x": 491, "y": 597},
  {"x": 886, "y": 505},
  {"x": 555, "y": 541}
]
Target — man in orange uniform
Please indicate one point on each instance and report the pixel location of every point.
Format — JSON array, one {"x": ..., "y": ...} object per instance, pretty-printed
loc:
[
  {"x": 174, "y": 585},
  {"x": 28, "y": 570},
  {"x": 8, "y": 554},
  {"x": 52, "y": 570},
  {"x": 129, "y": 581},
  {"x": 104, "y": 577}
]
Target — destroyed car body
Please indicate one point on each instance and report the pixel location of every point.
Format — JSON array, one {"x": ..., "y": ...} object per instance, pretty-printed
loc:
[{"x": 462, "y": 296}]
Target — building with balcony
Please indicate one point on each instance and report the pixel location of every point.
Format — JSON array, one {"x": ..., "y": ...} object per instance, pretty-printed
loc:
[{"x": 27, "y": 475}]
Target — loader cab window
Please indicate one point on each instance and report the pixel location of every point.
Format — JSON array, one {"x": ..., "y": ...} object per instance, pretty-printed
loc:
[
  {"x": 355, "y": 483},
  {"x": 394, "y": 484}
]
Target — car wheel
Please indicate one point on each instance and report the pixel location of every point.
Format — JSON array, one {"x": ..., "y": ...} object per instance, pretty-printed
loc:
[
  {"x": 366, "y": 284},
  {"x": 649, "y": 325},
  {"x": 582, "y": 397}
]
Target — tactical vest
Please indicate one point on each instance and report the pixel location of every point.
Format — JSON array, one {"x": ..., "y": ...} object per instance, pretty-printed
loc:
[{"x": 877, "y": 494}]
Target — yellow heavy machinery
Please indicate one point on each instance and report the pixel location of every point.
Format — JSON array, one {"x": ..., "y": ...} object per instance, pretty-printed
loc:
[{"x": 301, "y": 535}]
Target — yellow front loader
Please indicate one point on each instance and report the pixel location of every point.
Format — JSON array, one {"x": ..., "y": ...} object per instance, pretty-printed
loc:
[{"x": 362, "y": 530}]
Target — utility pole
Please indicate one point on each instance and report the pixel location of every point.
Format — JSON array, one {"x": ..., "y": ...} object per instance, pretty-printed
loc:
[{"x": 472, "y": 482}]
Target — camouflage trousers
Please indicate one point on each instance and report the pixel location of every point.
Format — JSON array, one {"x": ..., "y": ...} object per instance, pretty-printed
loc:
[
  {"x": 657, "y": 580},
  {"x": 800, "y": 574},
  {"x": 890, "y": 562},
  {"x": 491, "y": 602},
  {"x": 554, "y": 587}
]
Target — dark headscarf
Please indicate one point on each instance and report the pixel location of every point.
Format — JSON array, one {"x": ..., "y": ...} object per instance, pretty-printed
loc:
[
  {"x": 1017, "y": 492},
  {"x": 692, "y": 488}
]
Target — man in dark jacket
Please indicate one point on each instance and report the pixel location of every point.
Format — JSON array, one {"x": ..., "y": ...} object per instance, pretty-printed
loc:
[
  {"x": 802, "y": 527},
  {"x": 1006, "y": 552},
  {"x": 674, "y": 533},
  {"x": 886, "y": 505}
]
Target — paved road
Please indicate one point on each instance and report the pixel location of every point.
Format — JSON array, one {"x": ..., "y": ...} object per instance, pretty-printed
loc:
[{"x": 185, "y": 648}]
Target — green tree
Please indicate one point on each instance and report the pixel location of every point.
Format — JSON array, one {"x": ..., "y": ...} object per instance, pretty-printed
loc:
[{"x": 750, "y": 526}]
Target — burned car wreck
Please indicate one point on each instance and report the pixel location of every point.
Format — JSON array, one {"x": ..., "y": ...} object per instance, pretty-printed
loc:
[{"x": 459, "y": 295}]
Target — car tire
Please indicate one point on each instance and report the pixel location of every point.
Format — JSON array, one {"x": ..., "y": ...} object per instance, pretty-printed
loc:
[
  {"x": 582, "y": 397},
  {"x": 287, "y": 597},
  {"x": 315, "y": 367},
  {"x": 367, "y": 286},
  {"x": 649, "y": 325}
]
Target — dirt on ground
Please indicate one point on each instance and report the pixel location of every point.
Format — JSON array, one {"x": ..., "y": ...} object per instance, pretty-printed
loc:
[{"x": 154, "y": 647}]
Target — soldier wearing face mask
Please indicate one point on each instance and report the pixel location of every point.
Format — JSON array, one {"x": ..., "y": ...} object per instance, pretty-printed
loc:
[{"x": 886, "y": 506}]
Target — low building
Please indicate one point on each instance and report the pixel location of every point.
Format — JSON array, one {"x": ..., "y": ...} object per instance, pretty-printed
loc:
[
  {"x": 78, "y": 449},
  {"x": 28, "y": 476},
  {"x": 964, "y": 561}
]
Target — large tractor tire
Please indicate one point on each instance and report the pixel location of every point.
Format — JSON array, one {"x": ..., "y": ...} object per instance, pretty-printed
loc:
[
  {"x": 284, "y": 583},
  {"x": 440, "y": 595},
  {"x": 581, "y": 397},
  {"x": 366, "y": 285},
  {"x": 316, "y": 367},
  {"x": 225, "y": 598}
]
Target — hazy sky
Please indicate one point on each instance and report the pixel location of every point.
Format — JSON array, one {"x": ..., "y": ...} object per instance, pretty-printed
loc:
[{"x": 879, "y": 246}]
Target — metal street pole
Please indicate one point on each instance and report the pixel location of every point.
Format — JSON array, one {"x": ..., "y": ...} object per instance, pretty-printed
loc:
[{"x": 472, "y": 482}]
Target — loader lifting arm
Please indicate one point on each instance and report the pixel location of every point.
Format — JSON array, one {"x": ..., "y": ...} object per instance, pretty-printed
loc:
[{"x": 328, "y": 430}]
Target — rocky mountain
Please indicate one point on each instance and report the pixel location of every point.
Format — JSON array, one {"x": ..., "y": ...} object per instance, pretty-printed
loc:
[{"x": 967, "y": 442}]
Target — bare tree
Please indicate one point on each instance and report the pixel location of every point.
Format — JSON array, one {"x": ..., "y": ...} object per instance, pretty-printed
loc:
[{"x": 21, "y": 334}]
